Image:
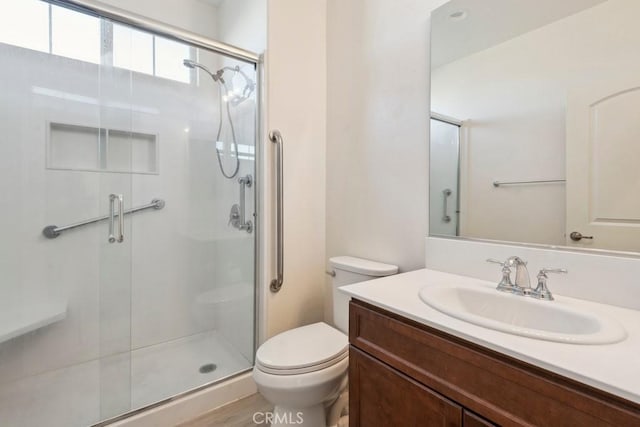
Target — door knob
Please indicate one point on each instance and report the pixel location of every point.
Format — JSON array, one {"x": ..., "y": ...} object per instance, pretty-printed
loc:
[{"x": 576, "y": 236}]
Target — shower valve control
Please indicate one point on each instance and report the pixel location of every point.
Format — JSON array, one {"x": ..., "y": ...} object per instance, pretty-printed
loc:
[
  {"x": 234, "y": 216},
  {"x": 237, "y": 216}
]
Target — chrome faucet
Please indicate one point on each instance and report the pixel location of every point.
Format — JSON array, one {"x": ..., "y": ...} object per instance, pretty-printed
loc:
[
  {"x": 522, "y": 274},
  {"x": 522, "y": 284}
]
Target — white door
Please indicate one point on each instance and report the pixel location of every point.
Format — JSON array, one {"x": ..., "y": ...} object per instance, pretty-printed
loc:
[{"x": 603, "y": 165}]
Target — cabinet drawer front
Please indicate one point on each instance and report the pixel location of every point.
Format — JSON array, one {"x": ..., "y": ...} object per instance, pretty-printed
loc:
[
  {"x": 498, "y": 387},
  {"x": 382, "y": 396}
]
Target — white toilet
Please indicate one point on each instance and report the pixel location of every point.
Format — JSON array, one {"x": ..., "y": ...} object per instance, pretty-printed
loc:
[{"x": 303, "y": 371}]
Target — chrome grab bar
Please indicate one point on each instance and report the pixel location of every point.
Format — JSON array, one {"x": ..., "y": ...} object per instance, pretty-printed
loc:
[
  {"x": 112, "y": 217},
  {"x": 539, "y": 181},
  {"x": 245, "y": 182},
  {"x": 120, "y": 218},
  {"x": 276, "y": 284},
  {"x": 53, "y": 231},
  {"x": 446, "y": 193}
]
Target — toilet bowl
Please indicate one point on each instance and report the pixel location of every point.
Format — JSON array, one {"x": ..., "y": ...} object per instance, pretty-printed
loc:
[{"x": 303, "y": 371}]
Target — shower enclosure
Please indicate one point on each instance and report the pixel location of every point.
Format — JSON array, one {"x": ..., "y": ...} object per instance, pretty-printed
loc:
[{"x": 127, "y": 277}]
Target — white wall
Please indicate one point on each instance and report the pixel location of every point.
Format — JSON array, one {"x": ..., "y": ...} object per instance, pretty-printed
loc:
[
  {"x": 193, "y": 15},
  {"x": 513, "y": 99},
  {"x": 243, "y": 23},
  {"x": 378, "y": 129},
  {"x": 296, "y": 105}
]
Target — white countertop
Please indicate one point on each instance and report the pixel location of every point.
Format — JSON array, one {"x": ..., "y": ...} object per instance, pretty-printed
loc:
[{"x": 614, "y": 368}]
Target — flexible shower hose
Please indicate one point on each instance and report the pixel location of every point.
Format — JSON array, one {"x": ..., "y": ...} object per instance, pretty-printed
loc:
[{"x": 233, "y": 136}]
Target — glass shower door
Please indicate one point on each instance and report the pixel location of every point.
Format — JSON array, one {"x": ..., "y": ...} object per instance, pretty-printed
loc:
[
  {"x": 149, "y": 291},
  {"x": 192, "y": 294},
  {"x": 119, "y": 141},
  {"x": 65, "y": 317}
]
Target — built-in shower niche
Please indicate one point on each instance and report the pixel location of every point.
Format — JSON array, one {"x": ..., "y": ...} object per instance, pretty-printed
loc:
[{"x": 95, "y": 149}]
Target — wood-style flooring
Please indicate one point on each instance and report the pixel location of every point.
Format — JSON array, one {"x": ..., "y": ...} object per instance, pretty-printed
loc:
[{"x": 236, "y": 414}]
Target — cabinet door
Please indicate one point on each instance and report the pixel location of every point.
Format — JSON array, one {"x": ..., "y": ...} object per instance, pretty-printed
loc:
[{"x": 381, "y": 396}]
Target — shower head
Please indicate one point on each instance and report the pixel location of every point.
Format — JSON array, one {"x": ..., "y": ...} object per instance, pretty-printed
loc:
[
  {"x": 236, "y": 98},
  {"x": 189, "y": 63},
  {"x": 193, "y": 65}
]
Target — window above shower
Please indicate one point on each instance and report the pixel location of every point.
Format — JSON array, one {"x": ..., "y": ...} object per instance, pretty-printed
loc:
[
  {"x": 53, "y": 29},
  {"x": 149, "y": 54}
]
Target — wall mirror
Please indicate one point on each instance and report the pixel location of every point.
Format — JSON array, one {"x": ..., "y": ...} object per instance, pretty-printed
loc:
[{"x": 535, "y": 125}]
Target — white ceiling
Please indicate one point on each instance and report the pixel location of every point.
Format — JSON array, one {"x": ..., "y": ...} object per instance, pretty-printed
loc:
[{"x": 490, "y": 22}]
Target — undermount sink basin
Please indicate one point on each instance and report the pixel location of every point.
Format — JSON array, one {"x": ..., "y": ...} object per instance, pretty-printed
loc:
[{"x": 518, "y": 315}]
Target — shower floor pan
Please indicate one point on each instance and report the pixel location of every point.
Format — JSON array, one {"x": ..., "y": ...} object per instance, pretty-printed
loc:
[{"x": 85, "y": 394}]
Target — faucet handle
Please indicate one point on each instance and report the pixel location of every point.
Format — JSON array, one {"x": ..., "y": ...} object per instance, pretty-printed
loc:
[
  {"x": 546, "y": 270},
  {"x": 505, "y": 284},
  {"x": 541, "y": 291}
]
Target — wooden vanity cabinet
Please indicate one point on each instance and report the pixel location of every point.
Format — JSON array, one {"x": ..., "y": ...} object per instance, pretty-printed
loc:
[
  {"x": 387, "y": 397},
  {"x": 469, "y": 419},
  {"x": 403, "y": 373}
]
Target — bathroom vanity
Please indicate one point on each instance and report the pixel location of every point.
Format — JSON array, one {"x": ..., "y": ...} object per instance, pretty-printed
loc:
[
  {"x": 411, "y": 365},
  {"x": 531, "y": 151}
]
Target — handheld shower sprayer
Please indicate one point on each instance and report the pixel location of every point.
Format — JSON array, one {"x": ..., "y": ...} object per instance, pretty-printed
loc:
[
  {"x": 193, "y": 65},
  {"x": 235, "y": 99}
]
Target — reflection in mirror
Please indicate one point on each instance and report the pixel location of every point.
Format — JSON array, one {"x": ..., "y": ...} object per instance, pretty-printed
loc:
[
  {"x": 547, "y": 98},
  {"x": 445, "y": 160}
]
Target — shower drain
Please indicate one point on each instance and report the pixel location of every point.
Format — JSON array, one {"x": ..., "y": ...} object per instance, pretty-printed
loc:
[{"x": 209, "y": 367}]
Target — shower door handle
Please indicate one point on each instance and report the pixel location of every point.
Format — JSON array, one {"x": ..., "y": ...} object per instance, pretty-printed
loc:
[
  {"x": 276, "y": 284},
  {"x": 446, "y": 193},
  {"x": 120, "y": 218},
  {"x": 112, "y": 218},
  {"x": 245, "y": 181}
]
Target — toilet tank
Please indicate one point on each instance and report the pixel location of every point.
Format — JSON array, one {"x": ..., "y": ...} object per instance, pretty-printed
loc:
[{"x": 350, "y": 270}]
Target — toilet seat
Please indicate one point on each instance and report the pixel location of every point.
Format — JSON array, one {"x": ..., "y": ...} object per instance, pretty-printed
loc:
[
  {"x": 301, "y": 350},
  {"x": 303, "y": 370}
]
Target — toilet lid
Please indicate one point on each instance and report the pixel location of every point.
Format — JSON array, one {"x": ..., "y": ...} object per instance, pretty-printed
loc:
[
  {"x": 304, "y": 347},
  {"x": 363, "y": 266}
]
